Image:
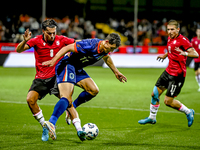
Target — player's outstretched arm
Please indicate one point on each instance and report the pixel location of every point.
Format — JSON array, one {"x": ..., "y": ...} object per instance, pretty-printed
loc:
[
  {"x": 63, "y": 51},
  {"x": 107, "y": 59},
  {"x": 22, "y": 46},
  {"x": 191, "y": 52},
  {"x": 162, "y": 57}
]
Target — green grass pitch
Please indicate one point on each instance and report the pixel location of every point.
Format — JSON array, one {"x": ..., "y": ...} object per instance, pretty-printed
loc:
[{"x": 115, "y": 110}]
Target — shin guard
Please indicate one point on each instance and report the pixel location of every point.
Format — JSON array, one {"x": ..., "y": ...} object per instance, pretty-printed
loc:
[{"x": 155, "y": 97}]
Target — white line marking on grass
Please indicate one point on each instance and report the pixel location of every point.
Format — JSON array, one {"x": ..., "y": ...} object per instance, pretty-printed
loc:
[{"x": 102, "y": 107}]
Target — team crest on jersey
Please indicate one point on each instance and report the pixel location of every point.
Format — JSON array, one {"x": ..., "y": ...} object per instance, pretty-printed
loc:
[
  {"x": 57, "y": 43},
  {"x": 44, "y": 44},
  {"x": 196, "y": 42},
  {"x": 174, "y": 42}
]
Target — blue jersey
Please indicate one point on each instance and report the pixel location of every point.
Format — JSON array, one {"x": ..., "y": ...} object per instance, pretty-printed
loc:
[{"x": 86, "y": 53}]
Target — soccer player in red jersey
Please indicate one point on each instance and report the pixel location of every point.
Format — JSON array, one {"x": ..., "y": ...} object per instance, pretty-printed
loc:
[
  {"x": 196, "y": 44},
  {"x": 172, "y": 79},
  {"x": 46, "y": 47}
]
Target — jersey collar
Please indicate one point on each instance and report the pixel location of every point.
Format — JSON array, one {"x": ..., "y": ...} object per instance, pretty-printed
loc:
[{"x": 46, "y": 41}]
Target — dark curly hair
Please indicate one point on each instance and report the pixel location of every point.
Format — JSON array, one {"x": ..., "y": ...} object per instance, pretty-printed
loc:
[
  {"x": 49, "y": 23},
  {"x": 114, "y": 38}
]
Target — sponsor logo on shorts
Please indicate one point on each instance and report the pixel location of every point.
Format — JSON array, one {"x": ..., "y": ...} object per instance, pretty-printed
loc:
[{"x": 71, "y": 76}]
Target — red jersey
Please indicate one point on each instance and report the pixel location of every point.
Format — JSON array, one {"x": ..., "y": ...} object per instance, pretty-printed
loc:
[
  {"x": 177, "y": 62},
  {"x": 44, "y": 51},
  {"x": 196, "y": 44}
]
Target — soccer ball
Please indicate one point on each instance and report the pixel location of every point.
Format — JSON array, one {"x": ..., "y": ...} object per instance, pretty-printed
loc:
[{"x": 91, "y": 130}]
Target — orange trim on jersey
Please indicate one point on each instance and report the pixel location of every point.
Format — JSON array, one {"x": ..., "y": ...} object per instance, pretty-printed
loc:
[
  {"x": 99, "y": 47},
  {"x": 75, "y": 48}
]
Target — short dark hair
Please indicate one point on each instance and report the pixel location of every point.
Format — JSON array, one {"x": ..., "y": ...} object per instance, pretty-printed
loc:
[
  {"x": 49, "y": 23},
  {"x": 174, "y": 22},
  {"x": 114, "y": 38}
]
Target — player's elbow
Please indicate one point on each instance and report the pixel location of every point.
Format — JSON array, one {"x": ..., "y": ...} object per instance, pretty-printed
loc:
[{"x": 19, "y": 50}]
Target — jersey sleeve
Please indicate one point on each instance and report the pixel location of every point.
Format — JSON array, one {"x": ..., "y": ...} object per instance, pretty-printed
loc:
[
  {"x": 83, "y": 46},
  {"x": 186, "y": 43},
  {"x": 67, "y": 40},
  {"x": 32, "y": 42}
]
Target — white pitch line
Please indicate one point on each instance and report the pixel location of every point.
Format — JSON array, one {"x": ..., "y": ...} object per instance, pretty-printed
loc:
[{"x": 101, "y": 107}]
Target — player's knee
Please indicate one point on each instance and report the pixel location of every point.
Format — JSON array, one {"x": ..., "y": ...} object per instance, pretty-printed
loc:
[
  {"x": 31, "y": 100},
  {"x": 167, "y": 102},
  {"x": 94, "y": 91},
  {"x": 69, "y": 99}
]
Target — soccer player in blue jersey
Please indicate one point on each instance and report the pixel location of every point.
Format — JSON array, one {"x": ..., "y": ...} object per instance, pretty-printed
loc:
[{"x": 70, "y": 72}]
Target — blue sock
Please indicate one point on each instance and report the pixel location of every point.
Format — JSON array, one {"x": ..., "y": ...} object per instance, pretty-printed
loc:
[
  {"x": 82, "y": 98},
  {"x": 59, "y": 108}
]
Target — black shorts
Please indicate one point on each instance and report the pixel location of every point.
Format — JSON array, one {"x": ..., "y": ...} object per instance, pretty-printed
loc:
[
  {"x": 173, "y": 84},
  {"x": 196, "y": 66},
  {"x": 45, "y": 86}
]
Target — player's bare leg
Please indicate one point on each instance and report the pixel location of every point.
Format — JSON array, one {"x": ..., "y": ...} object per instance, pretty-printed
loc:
[
  {"x": 171, "y": 102},
  {"x": 89, "y": 85},
  {"x": 90, "y": 91},
  {"x": 69, "y": 117},
  {"x": 76, "y": 122},
  {"x": 32, "y": 98}
]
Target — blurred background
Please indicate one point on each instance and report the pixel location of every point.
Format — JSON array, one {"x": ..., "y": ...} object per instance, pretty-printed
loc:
[
  {"x": 139, "y": 22},
  {"x": 95, "y": 18}
]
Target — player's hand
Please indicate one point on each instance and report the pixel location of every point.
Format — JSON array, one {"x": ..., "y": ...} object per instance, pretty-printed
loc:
[
  {"x": 181, "y": 52},
  {"x": 121, "y": 77},
  {"x": 49, "y": 63},
  {"x": 161, "y": 57},
  {"x": 27, "y": 35}
]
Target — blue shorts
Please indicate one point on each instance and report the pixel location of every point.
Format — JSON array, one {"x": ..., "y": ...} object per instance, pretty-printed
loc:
[{"x": 71, "y": 74}]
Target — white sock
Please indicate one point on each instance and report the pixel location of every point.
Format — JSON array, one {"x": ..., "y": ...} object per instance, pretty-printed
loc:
[
  {"x": 153, "y": 111},
  {"x": 77, "y": 123},
  {"x": 39, "y": 117},
  {"x": 198, "y": 79},
  {"x": 184, "y": 109}
]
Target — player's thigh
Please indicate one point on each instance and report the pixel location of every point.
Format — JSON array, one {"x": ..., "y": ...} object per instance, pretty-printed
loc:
[
  {"x": 66, "y": 90},
  {"x": 89, "y": 85}
]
